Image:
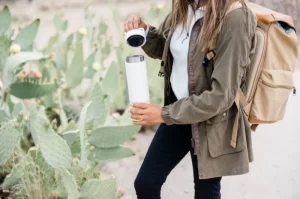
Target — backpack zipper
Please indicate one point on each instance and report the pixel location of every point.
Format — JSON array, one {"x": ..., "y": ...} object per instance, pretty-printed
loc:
[{"x": 294, "y": 90}]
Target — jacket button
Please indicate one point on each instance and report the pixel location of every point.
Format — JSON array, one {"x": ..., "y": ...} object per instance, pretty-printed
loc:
[{"x": 224, "y": 114}]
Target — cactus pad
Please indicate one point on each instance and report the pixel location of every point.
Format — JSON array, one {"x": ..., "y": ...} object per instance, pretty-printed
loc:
[
  {"x": 27, "y": 36},
  {"x": 5, "y": 44},
  {"x": 29, "y": 90},
  {"x": 111, "y": 154},
  {"x": 99, "y": 189},
  {"x": 14, "y": 60},
  {"x": 97, "y": 110},
  {"x": 5, "y": 19},
  {"x": 108, "y": 137},
  {"x": 9, "y": 138},
  {"x": 69, "y": 183},
  {"x": 55, "y": 150}
]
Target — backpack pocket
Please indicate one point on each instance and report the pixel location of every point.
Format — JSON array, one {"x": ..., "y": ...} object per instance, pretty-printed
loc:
[{"x": 271, "y": 97}]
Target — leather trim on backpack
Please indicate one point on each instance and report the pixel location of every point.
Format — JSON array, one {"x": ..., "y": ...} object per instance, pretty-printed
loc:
[{"x": 268, "y": 16}]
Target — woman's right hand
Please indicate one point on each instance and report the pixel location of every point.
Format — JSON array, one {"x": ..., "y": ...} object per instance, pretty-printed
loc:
[{"x": 134, "y": 23}]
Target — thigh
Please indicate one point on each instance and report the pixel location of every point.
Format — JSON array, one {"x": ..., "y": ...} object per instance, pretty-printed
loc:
[
  {"x": 168, "y": 147},
  {"x": 205, "y": 188}
]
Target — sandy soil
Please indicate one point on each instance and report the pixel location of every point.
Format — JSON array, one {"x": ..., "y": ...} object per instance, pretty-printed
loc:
[{"x": 275, "y": 173}]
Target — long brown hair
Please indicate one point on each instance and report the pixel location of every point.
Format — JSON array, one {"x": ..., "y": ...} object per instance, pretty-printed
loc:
[{"x": 215, "y": 12}]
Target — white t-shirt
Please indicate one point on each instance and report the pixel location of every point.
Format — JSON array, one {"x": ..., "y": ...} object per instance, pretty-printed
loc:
[{"x": 179, "y": 47}]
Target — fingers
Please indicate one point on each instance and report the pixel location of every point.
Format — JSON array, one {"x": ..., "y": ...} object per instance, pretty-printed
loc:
[
  {"x": 141, "y": 123},
  {"x": 132, "y": 23},
  {"x": 126, "y": 27},
  {"x": 136, "y": 22},
  {"x": 140, "y": 105},
  {"x": 137, "y": 117},
  {"x": 137, "y": 111}
]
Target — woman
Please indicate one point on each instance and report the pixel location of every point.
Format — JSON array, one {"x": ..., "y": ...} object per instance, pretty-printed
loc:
[{"x": 205, "y": 52}]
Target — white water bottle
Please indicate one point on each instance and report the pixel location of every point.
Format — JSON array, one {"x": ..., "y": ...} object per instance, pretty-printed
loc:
[{"x": 137, "y": 79}]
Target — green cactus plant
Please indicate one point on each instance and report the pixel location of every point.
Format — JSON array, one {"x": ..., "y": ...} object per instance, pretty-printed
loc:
[
  {"x": 99, "y": 189},
  {"x": 67, "y": 155},
  {"x": 74, "y": 73},
  {"x": 55, "y": 149},
  {"x": 27, "y": 36},
  {"x": 61, "y": 25},
  {"x": 110, "y": 154},
  {"x": 4, "y": 116},
  {"x": 28, "y": 90},
  {"x": 111, "y": 81},
  {"x": 5, "y": 20},
  {"x": 89, "y": 25},
  {"x": 97, "y": 111},
  {"x": 14, "y": 61},
  {"x": 5, "y": 44},
  {"x": 109, "y": 137},
  {"x": 82, "y": 130},
  {"x": 10, "y": 135},
  {"x": 14, "y": 177},
  {"x": 89, "y": 69},
  {"x": 69, "y": 183}
]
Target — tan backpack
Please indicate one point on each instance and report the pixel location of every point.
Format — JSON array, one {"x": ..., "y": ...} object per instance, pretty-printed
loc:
[{"x": 269, "y": 79}]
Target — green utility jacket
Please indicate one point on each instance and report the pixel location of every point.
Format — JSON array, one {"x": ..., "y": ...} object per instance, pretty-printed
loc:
[{"x": 210, "y": 108}]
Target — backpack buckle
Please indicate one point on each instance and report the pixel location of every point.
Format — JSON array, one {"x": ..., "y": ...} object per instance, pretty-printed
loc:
[{"x": 208, "y": 57}]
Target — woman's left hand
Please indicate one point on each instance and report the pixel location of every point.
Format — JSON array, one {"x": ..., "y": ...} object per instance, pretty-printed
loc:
[{"x": 146, "y": 114}]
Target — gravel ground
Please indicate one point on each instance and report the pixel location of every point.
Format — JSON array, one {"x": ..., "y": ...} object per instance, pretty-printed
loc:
[{"x": 275, "y": 173}]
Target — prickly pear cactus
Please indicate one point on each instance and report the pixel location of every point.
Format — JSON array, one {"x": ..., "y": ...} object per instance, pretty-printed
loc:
[
  {"x": 5, "y": 44},
  {"x": 70, "y": 133},
  {"x": 74, "y": 73},
  {"x": 5, "y": 20},
  {"x": 109, "y": 137},
  {"x": 83, "y": 141},
  {"x": 69, "y": 183},
  {"x": 27, "y": 36},
  {"x": 89, "y": 69},
  {"x": 14, "y": 178},
  {"x": 99, "y": 189},
  {"x": 15, "y": 60},
  {"x": 97, "y": 111},
  {"x": 111, "y": 81},
  {"x": 67, "y": 155},
  {"x": 10, "y": 136},
  {"x": 38, "y": 158},
  {"x": 4, "y": 116},
  {"x": 55, "y": 149},
  {"x": 31, "y": 89},
  {"x": 110, "y": 154},
  {"x": 36, "y": 123}
]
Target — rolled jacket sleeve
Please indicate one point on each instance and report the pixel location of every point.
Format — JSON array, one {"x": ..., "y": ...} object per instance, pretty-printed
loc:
[{"x": 232, "y": 56}]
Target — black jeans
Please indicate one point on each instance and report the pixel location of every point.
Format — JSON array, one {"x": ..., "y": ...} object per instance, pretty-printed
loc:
[{"x": 169, "y": 146}]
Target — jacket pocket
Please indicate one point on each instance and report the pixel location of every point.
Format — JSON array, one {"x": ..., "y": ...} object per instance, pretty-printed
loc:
[{"x": 219, "y": 132}]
